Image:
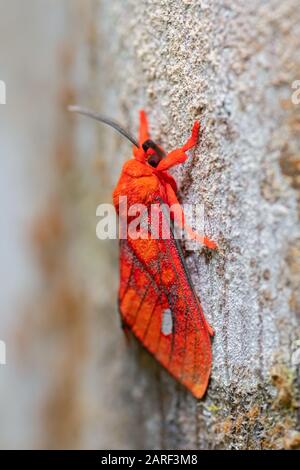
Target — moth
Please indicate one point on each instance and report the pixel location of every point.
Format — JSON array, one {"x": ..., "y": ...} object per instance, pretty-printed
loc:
[{"x": 157, "y": 299}]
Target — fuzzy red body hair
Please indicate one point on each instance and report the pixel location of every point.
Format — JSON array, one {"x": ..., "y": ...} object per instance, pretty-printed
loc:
[{"x": 157, "y": 300}]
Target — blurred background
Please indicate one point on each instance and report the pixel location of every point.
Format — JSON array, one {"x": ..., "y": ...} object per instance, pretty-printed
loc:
[{"x": 63, "y": 382}]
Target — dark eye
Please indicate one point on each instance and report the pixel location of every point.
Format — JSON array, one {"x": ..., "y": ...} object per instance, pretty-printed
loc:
[
  {"x": 156, "y": 157},
  {"x": 154, "y": 160}
]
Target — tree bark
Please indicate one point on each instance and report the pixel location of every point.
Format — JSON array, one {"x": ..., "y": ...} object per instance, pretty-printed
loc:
[{"x": 230, "y": 64}]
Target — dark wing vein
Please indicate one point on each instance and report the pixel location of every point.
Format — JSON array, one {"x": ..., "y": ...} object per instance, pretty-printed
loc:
[{"x": 141, "y": 303}]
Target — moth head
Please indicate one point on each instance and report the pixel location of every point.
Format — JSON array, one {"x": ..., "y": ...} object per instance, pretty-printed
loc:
[{"x": 154, "y": 154}]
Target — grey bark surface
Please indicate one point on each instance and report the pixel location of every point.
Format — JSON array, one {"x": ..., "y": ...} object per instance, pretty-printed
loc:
[{"x": 231, "y": 65}]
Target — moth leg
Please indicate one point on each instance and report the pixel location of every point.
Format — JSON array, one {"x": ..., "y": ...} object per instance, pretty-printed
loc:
[
  {"x": 139, "y": 153},
  {"x": 179, "y": 219},
  {"x": 178, "y": 155},
  {"x": 144, "y": 131},
  {"x": 173, "y": 158},
  {"x": 200, "y": 238},
  {"x": 193, "y": 140}
]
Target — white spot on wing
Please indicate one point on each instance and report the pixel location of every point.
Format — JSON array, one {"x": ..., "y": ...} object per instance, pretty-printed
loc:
[{"x": 167, "y": 322}]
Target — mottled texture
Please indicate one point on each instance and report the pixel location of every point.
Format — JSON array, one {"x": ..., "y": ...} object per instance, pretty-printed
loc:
[{"x": 231, "y": 65}]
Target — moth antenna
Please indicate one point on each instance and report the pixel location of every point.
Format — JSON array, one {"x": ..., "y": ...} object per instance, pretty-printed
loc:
[{"x": 105, "y": 120}]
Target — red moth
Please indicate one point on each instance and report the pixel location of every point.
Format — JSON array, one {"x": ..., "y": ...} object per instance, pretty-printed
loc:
[{"x": 157, "y": 300}]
